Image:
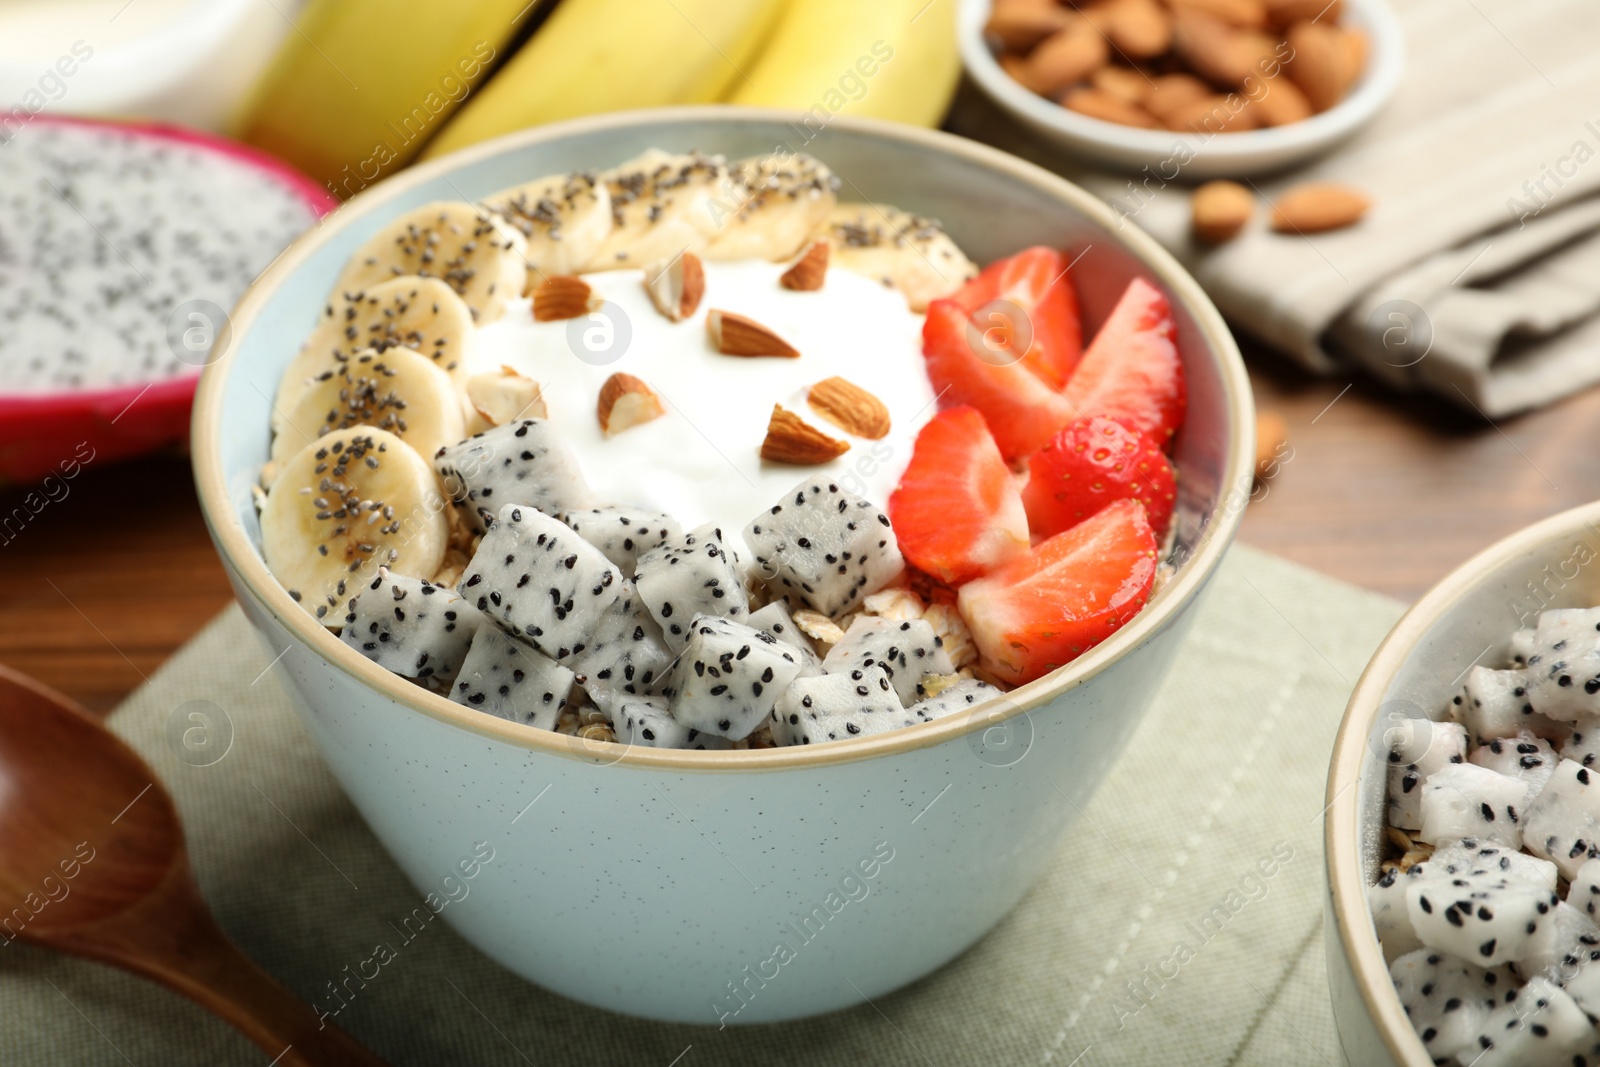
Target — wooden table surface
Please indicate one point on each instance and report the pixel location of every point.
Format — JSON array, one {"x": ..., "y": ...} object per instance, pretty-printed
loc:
[{"x": 1385, "y": 491}]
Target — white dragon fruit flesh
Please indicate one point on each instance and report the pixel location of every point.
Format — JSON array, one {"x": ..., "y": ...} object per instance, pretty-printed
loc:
[
  {"x": 1471, "y": 854},
  {"x": 836, "y": 707},
  {"x": 1390, "y": 919},
  {"x": 1583, "y": 744},
  {"x": 1448, "y": 999},
  {"x": 959, "y": 696},
  {"x": 1564, "y": 669},
  {"x": 730, "y": 676},
  {"x": 689, "y": 575},
  {"x": 622, "y": 534},
  {"x": 537, "y": 579},
  {"x": 824, "y": 546},
  {"x": 1540, "y": 1026},
  {"x": 1567, "y": 940},
  {"x": 648, "y": 722},
  {"x": 504, "y": 677},
  {"x": 1562, "y": 824},
  {"x": 1584, "y": 891},
  {"x": 1525, "y": 757},
  {"x": 776, "y": 620},
  {"x": 524, "y": 462},
  {"x": 1465, "y": 800},
  {"x": 1484, "y": 918},
  {"x": 411, "y": 626},
  {"x": 1495, "y": 704},
  {"x": 908, "y": 650},
  {"x": 625, "y": 655},
  {"x": 1419, "y": 747}
]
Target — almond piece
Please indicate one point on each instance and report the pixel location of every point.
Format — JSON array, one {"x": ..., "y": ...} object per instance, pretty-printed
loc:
[
  {"x": 1016, "y": 67},
  {"x": 625, "y": 401},
  {"x": 1246, "y": 14},
  {"x": 1212, "y": 114},
  {"x": 562, "y": 296},
  {"x": 676, "y": 285},
  {"x": 1172, "y": 91},
  {"x": 850, "y": 407},
  {"x": 502, "y": 396},
  {"x": 1018, "y": 25},
  {"x": 791, "y": 440},
  {"x": 1281, "y": 14},
  {"x": 809, "y": 271},
  {"x": 1068, "y": 56},
  {"x": 1219, "y": 210},
  {"x": 1124, "y": 83},
  {"x": 1220, "y": 53},
  {"x": 1320, "y": 63},
  {"x": 1280, "y": 102},
  {"x": 1272, "y": 433},
  {"x": 1140, "y": 29},
  {"x": 1318, "y": 206},
  {"x": 736, "y": 335},
  {"x": 1098, "y": 104}
]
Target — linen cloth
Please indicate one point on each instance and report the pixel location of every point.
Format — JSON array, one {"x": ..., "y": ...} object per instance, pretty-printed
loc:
[{"x": 1223, "y": 781}]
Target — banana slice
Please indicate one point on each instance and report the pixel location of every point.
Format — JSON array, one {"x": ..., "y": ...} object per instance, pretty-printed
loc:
[
  {"x": 777, "y": 205},
  {"x": 398, "y": 390},
  {"x": 661, "y": 204},
  {"x": 348, "y": 503},
  {"x": 422, "y": 314},
  {"x": 564, "y": 219},
  {"x": 471, "y": 249},
  {"x": 904, "y": 251}
]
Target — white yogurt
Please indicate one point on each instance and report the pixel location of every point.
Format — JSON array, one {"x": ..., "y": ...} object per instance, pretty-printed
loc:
[{"x": 700, "y": 462}]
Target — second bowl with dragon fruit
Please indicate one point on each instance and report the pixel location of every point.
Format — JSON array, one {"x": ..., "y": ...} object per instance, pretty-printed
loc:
[{"x": 654, "y": 453}]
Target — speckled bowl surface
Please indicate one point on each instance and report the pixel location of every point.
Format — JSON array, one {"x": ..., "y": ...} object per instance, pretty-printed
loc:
[{"x": 663, "y": 883}]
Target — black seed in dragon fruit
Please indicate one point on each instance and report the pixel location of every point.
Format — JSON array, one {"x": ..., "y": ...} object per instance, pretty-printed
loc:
[
  {"x": 625, "y": 655},
  {"x": 1484, "y": 918},
  {"x": 1564, "y": 669},
  {"x": 689, "y": 575},
  {"x": 908, "y": 650},
  {"x": 1562, "y": 823},
  {"x": 622, "y": 534},
  {"x": 537, "y": 579},
  {"x": 776, "y": 620},
  {"x": 1539, "y": 1026},
  {"x": 411, "y": 626},
  {"x": 729, "y": 677},
  {"x": 648, "y": 721},
  {"x": 825, "y": 547},
  {"x": 1495, "y": 704},
  {"x": 1466, "y": 800},
  {"x": 958, "y": 696},
  {"x": 1448, "y": 999},
  {"x": 858, "y": 702},
  {"x": 504, "y": 677},
  {"x": 524, "y": 462},
  {"x": 1390, "y": 920},
  {"x": 1525, "y": 757},
  {"x": 1418, "y": 748}
]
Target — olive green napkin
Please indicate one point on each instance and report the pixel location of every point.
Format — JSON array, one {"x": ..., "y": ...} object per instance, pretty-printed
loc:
[{"x": 1180, "y": 923}]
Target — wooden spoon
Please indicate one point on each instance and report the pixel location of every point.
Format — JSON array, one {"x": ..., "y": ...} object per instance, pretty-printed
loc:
[{"x": 92, "y": 863}]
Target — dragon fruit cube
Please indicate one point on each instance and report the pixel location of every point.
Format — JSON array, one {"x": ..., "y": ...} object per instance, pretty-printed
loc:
[
  {"x": 908, "y": 651},
  {"x": 1540, "y": 1026},
  {"x": 1465, "y": 800},
  {"x": 1566, "y": 940},
  {"x": 1390, "y": 919},
  {"x": 504, "y": 677},
  {"x": 838, "y": 706},
  {"x": 689, "y": 575},
  {"x": 648, "y": 721},
  {"x": 622, "y": 534},
  {"x": 537, "y": 579},
  {"x": 1419, "y": 747},
  {"x": 411, "y": 626},
  {"x": 625, "y": 656},
  {"x": 1583, "y": 744},
  {"x": 1447, "y": 999},
  {"x": 1483, "y": 918},
  {"x": 1527, "y": 758},
  {"x": 776, "y": 620},
  {"x": 1562, "y": 824},
  {"x": 730, "y": 676},
  {"x": 1481, "y": 857},
  {"x": 1564, "y": 669},
  {"x": 1494, "y": 704},
  {"x": 1584, "y": 892},
  {"x": 522, "y": 462},
  {"x": 964, "y": 694},
  {"x": 824, "y": 546}
]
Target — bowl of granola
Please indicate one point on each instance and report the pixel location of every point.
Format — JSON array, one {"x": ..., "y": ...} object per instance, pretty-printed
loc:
[{"x": 684, "y": 502}]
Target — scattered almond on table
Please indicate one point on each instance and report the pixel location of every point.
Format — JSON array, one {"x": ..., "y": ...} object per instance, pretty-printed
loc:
[
  {"x": 1318, "y": 206},
  {"x": 1272, "y": 433},
  {"x": 1219, "y": 210}
]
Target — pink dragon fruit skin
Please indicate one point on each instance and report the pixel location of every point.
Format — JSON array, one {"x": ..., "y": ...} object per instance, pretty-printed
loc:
[{"x": 104, "y": 423}]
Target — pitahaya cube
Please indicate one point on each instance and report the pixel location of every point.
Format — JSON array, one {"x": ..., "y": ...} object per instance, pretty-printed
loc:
[
  {"x": 1390, "y": 919},
  {"x": 730, "y": 676},
  {"x": 1584, "y": 892},
  {"x": 1522, "y": 646},
  {"x": 539, "y": 580},
  {"x": 1419, "y": 748},
  {"x": 1541, "y": 1026},
  {"x": 1525, "y": 757},
  {"x": 625, "y": 655},
  {"x": 776, "y": 620},
  {"x": 1473, "y": 855},
  {"x": 689, "y": 575},
  {"x": 838, "y": 706},
  {"x": 523, "y": 462},
  {"x": 1464, "y": 800},
  {"x": 1495, "y": 704},
  {"x": 647, "y": 721},
  {"x": 1567, "y": 938},
  {"x": 1562, "y": 824},
  {"x": 1564, "y": 669},
  {"x": 622, "y": 534},
  {"x": 1583, "y": 744},
  {"x": 908, "y": 651},
  {"x": 1484, "y": 918},
  {"x": 964, "y": 694},
  {"x": 1448, "y": 999},
  {"x": 411, "y": 626},
  {"x": 824, "y": 546},
  {"x": 504, "y": 677}
]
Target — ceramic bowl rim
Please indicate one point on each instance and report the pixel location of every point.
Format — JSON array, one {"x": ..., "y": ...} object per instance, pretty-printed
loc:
[{"x": 249, "y": 570}]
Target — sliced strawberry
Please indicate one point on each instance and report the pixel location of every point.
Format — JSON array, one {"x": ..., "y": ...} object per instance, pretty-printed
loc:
[
  {"x": 1035, "y": 280},
  {"x": 1131, "y": 371},
  {"x": 1023, "y": 412},
  {"x": 957, "y": 512},
  {"x": 1071, "y": 592},
  {"x": 1093, "y": 462}
]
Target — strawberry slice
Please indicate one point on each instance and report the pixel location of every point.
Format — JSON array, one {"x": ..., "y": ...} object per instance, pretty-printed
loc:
[
  {"x": 1093, "y": 462},
  {"x": 1071, "y": 592},
  {"x": 1023, "y": 412},
  {"x": 1036, "y": 281},
  {"x": 1131, "y": 371},
  {"x": 957, "y": 512}
]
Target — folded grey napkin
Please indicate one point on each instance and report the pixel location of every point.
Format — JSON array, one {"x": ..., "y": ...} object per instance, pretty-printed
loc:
[{"x": 1474, "y": 274}]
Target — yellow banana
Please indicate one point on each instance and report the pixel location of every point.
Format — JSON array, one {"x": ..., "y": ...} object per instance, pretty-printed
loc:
[
  {"x": 891, "y": 59},
  {"x": 608, "y": 55},
  {"x": 360, "y": 86}
]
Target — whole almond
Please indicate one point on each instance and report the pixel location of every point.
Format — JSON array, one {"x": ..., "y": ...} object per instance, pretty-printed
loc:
[
  {"x": 1246, "y": 14},
  {"x": 809, "y": 271},
  {"x": 1098, "y": 104},
  {"x": 1272, "y": 433},
  {"x": 1318, "y": 206},
  {"x": 676, "y": 285},
  {"x": 1124, "y": 83},
  {"x": 1020, "y": 72},
  {"x": 1281, "y": 14},
  {"x": 625, "y": 402},
  {"x": 562, "y": 296},
  {"x": 1018, "y": 25},
  {"x": 1211, "y": 48},
  {"x": 1139, "y": 29},
  {"x": 1278, "y": 101},
  {"x": 1355, "y": 55},
  {"x": 736, "y": 335},
  {"x": 1068, "y": 57},
  {"x": 1219, "y": 210},
  {"x": 850, "y": 407},
  {"x": 792, "y": 440},
  {"x": 1172, "y": 91},
  {"x": 1320, "y": 64},
  {"x": 1212, "y": 114}
]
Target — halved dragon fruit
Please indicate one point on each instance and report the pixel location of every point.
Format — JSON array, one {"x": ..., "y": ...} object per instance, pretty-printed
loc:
[
  {"x": 505, "y": 677},
  {"x": 411, "y": 626},
  {"x": 122, "y": 247}
]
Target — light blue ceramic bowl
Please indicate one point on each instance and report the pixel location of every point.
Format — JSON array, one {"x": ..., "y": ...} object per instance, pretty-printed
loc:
[{"x": 663, "y": 883}]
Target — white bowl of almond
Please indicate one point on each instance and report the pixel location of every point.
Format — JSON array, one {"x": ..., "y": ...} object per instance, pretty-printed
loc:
[{"x": 1197, "y": 88}]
